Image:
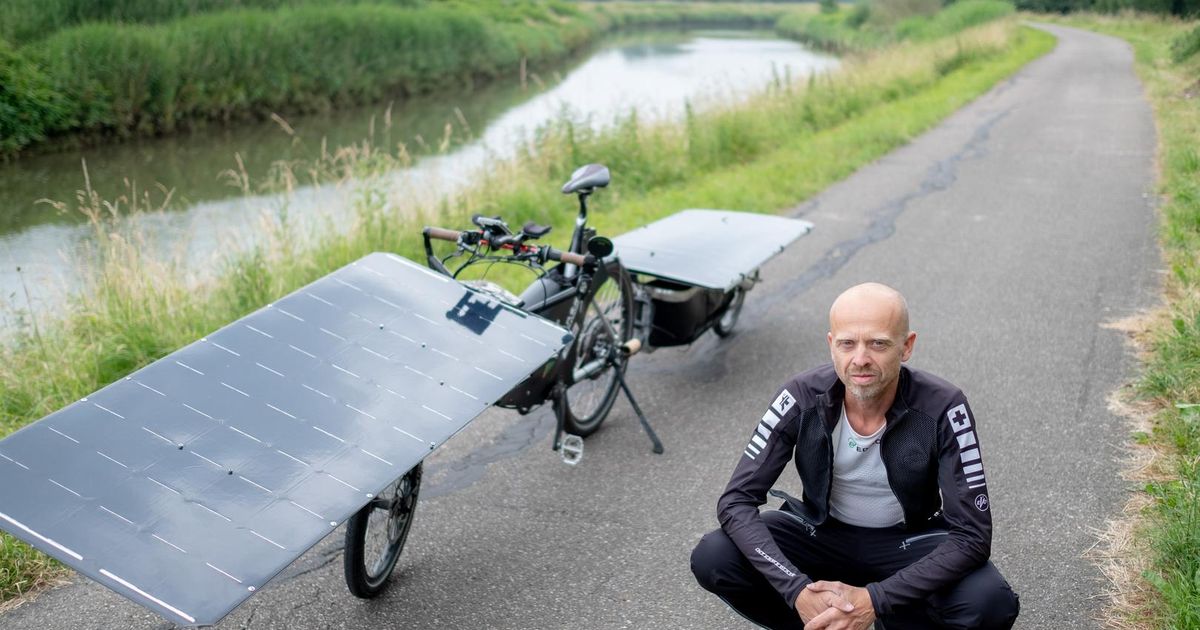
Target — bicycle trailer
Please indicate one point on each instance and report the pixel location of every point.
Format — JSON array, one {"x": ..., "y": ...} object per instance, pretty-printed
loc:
[{"x": 695, "y": 267}]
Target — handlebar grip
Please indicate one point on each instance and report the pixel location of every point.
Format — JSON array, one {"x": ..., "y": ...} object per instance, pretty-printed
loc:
[
  {"x": 442, "y": 234},
  {"x": 570, "y": 258}
]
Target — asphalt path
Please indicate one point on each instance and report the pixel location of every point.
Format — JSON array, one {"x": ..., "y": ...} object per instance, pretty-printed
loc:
[{"x": 1017, "y": 229}]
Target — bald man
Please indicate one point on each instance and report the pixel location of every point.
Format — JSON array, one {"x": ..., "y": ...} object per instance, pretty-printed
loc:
[{"x": 894, "y": 527}]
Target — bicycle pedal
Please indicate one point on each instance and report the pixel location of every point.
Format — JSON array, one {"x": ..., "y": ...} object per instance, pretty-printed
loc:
[{"x": 571, "y": 449}]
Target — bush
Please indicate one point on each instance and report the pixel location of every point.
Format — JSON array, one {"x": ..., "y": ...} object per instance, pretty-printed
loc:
[
  {"x": 1185, "y": 45},
  {"x": 859, "y": 15},
  {"x": 30, "y": 108}
]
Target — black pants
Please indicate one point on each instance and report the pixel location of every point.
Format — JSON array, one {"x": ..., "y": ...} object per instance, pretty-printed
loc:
[{"x": 856, "y": 556}]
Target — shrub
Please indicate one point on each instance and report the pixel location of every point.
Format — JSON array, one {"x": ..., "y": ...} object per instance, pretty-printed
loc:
[
  {"x": 30, "y": 108},
  {"x": 1186, "y": 45}
]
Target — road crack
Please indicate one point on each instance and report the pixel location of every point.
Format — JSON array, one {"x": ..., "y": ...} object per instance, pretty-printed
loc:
[
  {"x": 938, "y": 177},
  {"x": 512, "y": 441}
]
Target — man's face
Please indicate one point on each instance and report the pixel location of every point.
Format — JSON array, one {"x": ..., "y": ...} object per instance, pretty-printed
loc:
[{"x": 868, "y": 343}]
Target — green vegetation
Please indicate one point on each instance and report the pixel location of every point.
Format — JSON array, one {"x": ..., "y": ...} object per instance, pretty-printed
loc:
[
  {"x": 633, "y": 14},
  {"x": 137, "y": 79},
  {"x": 143, "y": 67},
  {"x": 1165, "y": 53},
  {"x": 1179, "y": 8},
  {"x": 762, "y": 155},
  {"x": 22, "y": 21},
  {"x": 29, "y": 105},
  {"x": 873, "y": 24}
]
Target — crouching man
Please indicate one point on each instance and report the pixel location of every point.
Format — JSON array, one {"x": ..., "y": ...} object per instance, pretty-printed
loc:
[{"x": 894, "y": 527}]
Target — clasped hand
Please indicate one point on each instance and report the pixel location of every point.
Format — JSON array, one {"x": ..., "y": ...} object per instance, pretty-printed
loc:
[{"x": 835, "y": 606}]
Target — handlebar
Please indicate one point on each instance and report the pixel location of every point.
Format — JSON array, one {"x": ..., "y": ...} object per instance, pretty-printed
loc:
[
  {"x": 442, "y": 234},
  {"x": 547, "y": 253}
]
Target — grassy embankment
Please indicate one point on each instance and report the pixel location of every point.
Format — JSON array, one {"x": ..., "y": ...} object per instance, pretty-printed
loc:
[
  {"x": 1161, "y": 585},
  {"x": 872, "y": 25},
  {"x": 172, "y": 65},
  {"x": 23, "y": 21},
  {"x": 763, "y": 155}
]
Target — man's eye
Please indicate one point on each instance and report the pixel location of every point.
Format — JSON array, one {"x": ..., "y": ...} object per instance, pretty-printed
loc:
[{"x": 879, "y": 345}]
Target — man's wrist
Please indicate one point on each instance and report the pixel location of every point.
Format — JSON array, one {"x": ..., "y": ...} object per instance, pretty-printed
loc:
[
  {"x": 794, "y": 598},
  {"x": 878, "y": 599}
]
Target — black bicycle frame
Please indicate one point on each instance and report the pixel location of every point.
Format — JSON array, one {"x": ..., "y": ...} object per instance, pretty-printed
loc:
[{"x": 566, "y": 307}]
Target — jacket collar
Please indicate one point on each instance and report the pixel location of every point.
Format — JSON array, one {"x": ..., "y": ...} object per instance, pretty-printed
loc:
[{"x": 830, "y": 401}]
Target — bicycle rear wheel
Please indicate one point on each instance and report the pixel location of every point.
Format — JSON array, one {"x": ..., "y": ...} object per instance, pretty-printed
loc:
[
  {"x": 375, "y": 535},
  {"x": 592, "y": 387}
]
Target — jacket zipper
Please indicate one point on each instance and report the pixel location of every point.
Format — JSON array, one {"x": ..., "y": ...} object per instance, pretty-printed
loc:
[{"x": 909, "y": 541}]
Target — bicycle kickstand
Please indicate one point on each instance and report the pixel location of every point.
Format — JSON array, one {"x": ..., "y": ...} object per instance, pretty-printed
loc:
[{"x": 658, "y": 447}]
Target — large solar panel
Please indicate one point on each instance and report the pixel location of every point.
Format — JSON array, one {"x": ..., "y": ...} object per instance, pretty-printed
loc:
[
  {"x": 189, "y": 484},
  {"x": 714, "y": 249}
]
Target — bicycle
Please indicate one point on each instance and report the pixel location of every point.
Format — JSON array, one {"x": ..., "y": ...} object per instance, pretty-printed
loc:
[{"x": 588, "y": 292}]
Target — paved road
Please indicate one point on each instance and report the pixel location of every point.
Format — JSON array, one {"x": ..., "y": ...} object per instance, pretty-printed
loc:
[{"x": 1016, "y": 229}]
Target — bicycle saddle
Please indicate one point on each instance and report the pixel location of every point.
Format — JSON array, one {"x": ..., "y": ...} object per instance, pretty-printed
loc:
[
  {"x": 535, "y": 231},
  {"x": 586, "y": 178}
]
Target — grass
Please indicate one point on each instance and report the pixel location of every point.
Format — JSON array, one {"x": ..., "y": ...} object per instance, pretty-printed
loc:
[
  {"x": 871, "y": 25},
  {"x": 22, "y": 21},
  {"x": 221, "y": 59},
  {"x": 1168, "y": 529},
  {"x": 764, "y": 155}
]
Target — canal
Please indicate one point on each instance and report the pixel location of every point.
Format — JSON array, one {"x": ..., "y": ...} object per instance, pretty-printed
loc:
[{"x": 657, "y": 73}]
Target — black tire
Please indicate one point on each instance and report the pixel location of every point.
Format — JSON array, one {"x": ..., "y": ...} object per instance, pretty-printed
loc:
[
  {"x": 588, "y": 401},
  {"x": 728, "y": 319},
  {"x": 375, "y": 535}
]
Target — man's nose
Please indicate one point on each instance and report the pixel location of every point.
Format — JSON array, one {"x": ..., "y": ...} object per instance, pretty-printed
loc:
[{"x": 861, "y": 356}]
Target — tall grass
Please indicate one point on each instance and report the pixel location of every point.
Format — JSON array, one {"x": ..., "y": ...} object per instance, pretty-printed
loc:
[
  {"x": 958, "y": 16},
  {"x": 874, "y": 24},
  {"x": 762, "y": 155},
  {"x": 129, "y": 79},
  {"x": 1170, "y": 529},
  {"x": 843, "y": 31},
  {"x": 632, "y": 14},
  {"x": 22, "y": 21}
]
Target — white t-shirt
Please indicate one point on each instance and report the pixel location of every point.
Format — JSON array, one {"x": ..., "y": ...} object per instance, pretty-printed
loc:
[{"x": 861, "y": 495}]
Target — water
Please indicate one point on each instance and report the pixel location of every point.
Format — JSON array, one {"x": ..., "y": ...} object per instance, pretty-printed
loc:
[{"x": 656, "y": 72}]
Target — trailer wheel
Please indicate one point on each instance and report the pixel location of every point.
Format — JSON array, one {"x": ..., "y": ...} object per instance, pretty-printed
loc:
[{"x": 724, "y": 325}]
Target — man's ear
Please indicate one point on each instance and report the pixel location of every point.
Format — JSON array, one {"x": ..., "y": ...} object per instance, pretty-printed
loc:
[{"x": 909, "y": 341}]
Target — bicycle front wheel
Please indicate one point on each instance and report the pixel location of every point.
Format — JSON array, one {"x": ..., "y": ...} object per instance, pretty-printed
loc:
[
  {"x": 375, "y": 535},
  {"x": 592, "y": 387}
]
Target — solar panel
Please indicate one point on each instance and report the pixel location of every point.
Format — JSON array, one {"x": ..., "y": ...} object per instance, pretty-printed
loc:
[
  {"x": 714, "y": 249},
  {"x": 190, "y": 483}
]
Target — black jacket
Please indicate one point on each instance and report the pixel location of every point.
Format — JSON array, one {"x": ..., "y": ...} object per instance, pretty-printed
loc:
[{"x": 931, "y": 454}]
